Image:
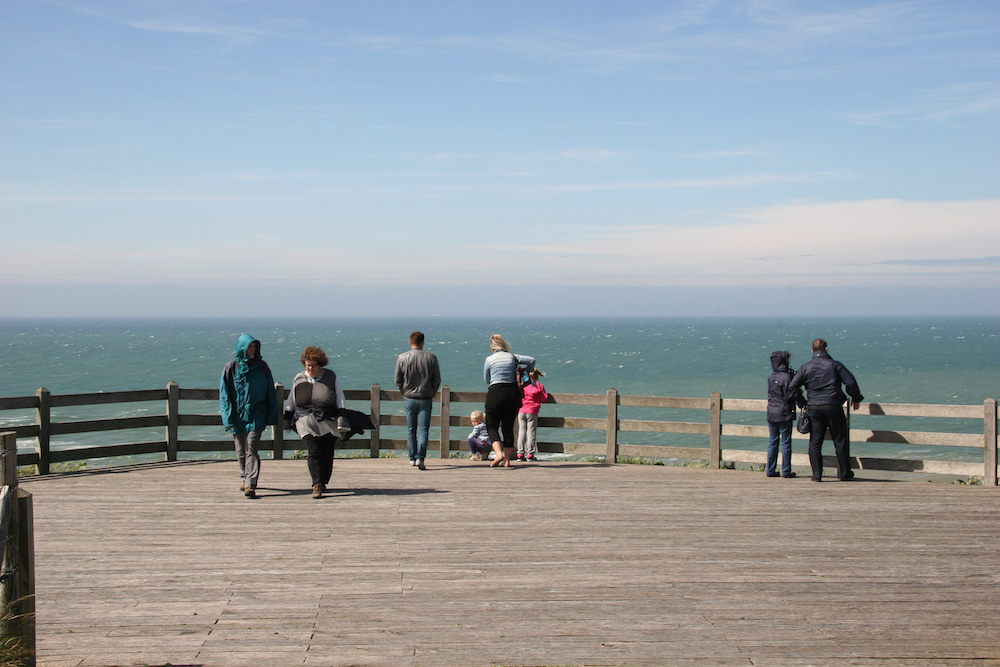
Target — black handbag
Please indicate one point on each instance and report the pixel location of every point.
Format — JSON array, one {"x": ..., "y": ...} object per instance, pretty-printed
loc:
[{"x": 804, "y": 424}]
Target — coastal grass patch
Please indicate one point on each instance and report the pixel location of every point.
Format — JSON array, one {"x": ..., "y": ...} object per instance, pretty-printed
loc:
[
  {"x": 63, "y": 466},
  {"x": 15, "y": 650},
  {"x": 640, "y": 460}
]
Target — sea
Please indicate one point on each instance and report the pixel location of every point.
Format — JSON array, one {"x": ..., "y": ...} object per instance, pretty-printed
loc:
[{"x": 953, "y": 361}]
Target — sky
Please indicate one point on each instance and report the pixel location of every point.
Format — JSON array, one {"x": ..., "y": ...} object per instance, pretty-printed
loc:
[{"x": 545, "y": 158}]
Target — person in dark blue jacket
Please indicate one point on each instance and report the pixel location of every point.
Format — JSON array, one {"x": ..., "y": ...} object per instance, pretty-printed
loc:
[
  {"x": 822, "y": 377},
  {"x": 248, "y": 404},
  {"x": 780, "y": 414}
]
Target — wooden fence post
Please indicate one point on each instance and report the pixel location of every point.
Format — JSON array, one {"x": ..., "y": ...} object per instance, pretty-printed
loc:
[
  {"x": 278, "y": 430},
  {"x": 715, "y": 431},
  {"x": 612, "y": 439},
  {"x": 173, "y": 419},
  {"x": 990, "y": 441},
  {"x": 43, "y": 418},
  {"x": 18, "y": 575},
  {"x": 376, "y": 419},
  {"x": 445, "y": 422}
]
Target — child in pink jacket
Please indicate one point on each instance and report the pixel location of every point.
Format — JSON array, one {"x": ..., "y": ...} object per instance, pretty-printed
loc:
[{"x": 527, "y": 417}]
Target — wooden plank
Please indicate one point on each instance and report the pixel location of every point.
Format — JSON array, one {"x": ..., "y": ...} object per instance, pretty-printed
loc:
[
  {"x": 19, "y": 403},
  {"x": 116, "y": 424},
  {"x": 578, "y": 399},
  {"x": 573, "y": 422},
  {"x": 199, "y": 420},
  {"x": 106, "y": 451},
  {"x": 106, "y": 397},
  {"x": 638, "y": 425},
  {"x": 26, "y": 431},
  {"x": 918, "y": 438},
  {"x": 608, "y": 564},
  {"x": 198, "y": 394},
  {"x": 931, "y": 467},
  {"x": 665, "y": 452},
  {"x": 665, "y": 402},
  {"x": 746, "y": 431},
  {"x": 921, "y": 410},
  {"x": 744, "y": 404}
]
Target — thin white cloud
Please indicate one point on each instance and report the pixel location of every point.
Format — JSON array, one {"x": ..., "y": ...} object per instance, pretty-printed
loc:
[
  {"x": 942, "y": 104},
  {"x": 876, "y": 243},
  {"x": 512, "y": 78},
  {"x": 174, "y": 19}
]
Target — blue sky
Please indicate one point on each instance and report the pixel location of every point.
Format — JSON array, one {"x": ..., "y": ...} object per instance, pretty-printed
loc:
[{"x": 253, "y": 157}]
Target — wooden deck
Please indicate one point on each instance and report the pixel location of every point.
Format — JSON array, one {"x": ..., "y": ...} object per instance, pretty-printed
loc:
[{"x": 543, "y": 564}]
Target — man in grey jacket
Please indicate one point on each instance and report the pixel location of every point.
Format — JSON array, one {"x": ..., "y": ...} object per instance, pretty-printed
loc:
[{"x": 418, "y": 377}]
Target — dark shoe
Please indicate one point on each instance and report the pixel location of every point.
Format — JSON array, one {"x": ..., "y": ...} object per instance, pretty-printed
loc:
[
  {"x": 848, "y": 478},
  {"x": 773, "y": 474},
  {"x": 531, "y": 458},
  {"x": 791, "y": 474},
  {"x": 817, "y": 479},
  {"x": 420, "y": 464},
  {"x": 317, "y": 490},
  {"x": 249, "y": 493}
]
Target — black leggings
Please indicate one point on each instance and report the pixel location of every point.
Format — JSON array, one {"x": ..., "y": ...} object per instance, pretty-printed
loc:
[
  {"x": 320, "y": 459},
  {"x": 503, "y": 401}
]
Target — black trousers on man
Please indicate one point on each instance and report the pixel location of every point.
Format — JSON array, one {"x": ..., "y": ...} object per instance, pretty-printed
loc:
[{"x": 832, "y": 417}]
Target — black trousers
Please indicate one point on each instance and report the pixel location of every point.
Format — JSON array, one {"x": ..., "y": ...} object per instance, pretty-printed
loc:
[
  {"x": 832, "y": 417},
  {"x": 503, "y": 401},
  {"x": 320, "y": 459}
]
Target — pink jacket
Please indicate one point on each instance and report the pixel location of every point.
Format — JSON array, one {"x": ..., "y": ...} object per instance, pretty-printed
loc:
[{"x": 534, "y": 396}]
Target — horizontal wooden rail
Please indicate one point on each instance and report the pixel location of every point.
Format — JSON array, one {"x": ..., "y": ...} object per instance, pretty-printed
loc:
[{"x": 608, "y": 422}]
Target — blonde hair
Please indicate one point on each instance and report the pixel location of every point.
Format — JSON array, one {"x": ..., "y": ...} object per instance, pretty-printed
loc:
[
  {"x": 478, "y": 414},
  {"x": 498, "y": 343},
  {"x": 535, "y": 374}
]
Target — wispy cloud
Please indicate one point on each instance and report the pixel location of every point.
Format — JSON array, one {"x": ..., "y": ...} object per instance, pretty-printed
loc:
[
  {"x": 942, "y": 104},
  {"x": 512, "y": 78},
  {"x": 176, "y": 20},
  {"x": 866, "y": 243},
  {"x": 985, "y": 262}
]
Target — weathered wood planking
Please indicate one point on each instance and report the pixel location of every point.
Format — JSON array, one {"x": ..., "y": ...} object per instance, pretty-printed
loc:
[{"x": 542, "y": 564}]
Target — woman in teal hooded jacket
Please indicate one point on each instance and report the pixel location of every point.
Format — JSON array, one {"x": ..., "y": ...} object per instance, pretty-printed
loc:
[{"x": 248, "y": 403}]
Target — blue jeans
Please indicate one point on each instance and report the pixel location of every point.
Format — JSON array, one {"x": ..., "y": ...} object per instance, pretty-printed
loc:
[
  {"x": 418, "y": 424},
  {"x": 779, "y": 431}
]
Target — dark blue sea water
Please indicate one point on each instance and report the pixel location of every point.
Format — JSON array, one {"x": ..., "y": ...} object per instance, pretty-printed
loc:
[{"x": 896, "y": 360}]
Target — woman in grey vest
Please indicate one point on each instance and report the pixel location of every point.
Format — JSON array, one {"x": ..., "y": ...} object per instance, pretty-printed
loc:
[{"x": 315, "y": 408}]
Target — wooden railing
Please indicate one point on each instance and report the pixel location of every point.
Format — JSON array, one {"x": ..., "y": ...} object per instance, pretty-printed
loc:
[{"x": 610, "y": 424}]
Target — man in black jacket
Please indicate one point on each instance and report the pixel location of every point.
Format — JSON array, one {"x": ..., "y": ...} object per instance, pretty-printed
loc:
[{"x": 822, "y": 377}]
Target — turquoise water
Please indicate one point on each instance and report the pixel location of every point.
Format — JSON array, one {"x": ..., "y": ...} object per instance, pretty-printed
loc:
[{"x": 897, "y": 360}]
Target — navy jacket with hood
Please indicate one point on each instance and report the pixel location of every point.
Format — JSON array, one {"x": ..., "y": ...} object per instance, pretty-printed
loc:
[{"x": 780, "y": 403}]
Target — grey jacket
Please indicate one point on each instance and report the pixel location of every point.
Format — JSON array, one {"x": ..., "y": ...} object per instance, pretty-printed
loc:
[{"x": 418, "y": 374}]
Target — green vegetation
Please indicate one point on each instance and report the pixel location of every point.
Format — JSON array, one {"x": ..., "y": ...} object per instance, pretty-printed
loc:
[
  {"x": 640, "y": 460},
  {"x": 14, "y": 649},
  {"x": 65, "y": 466}
]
